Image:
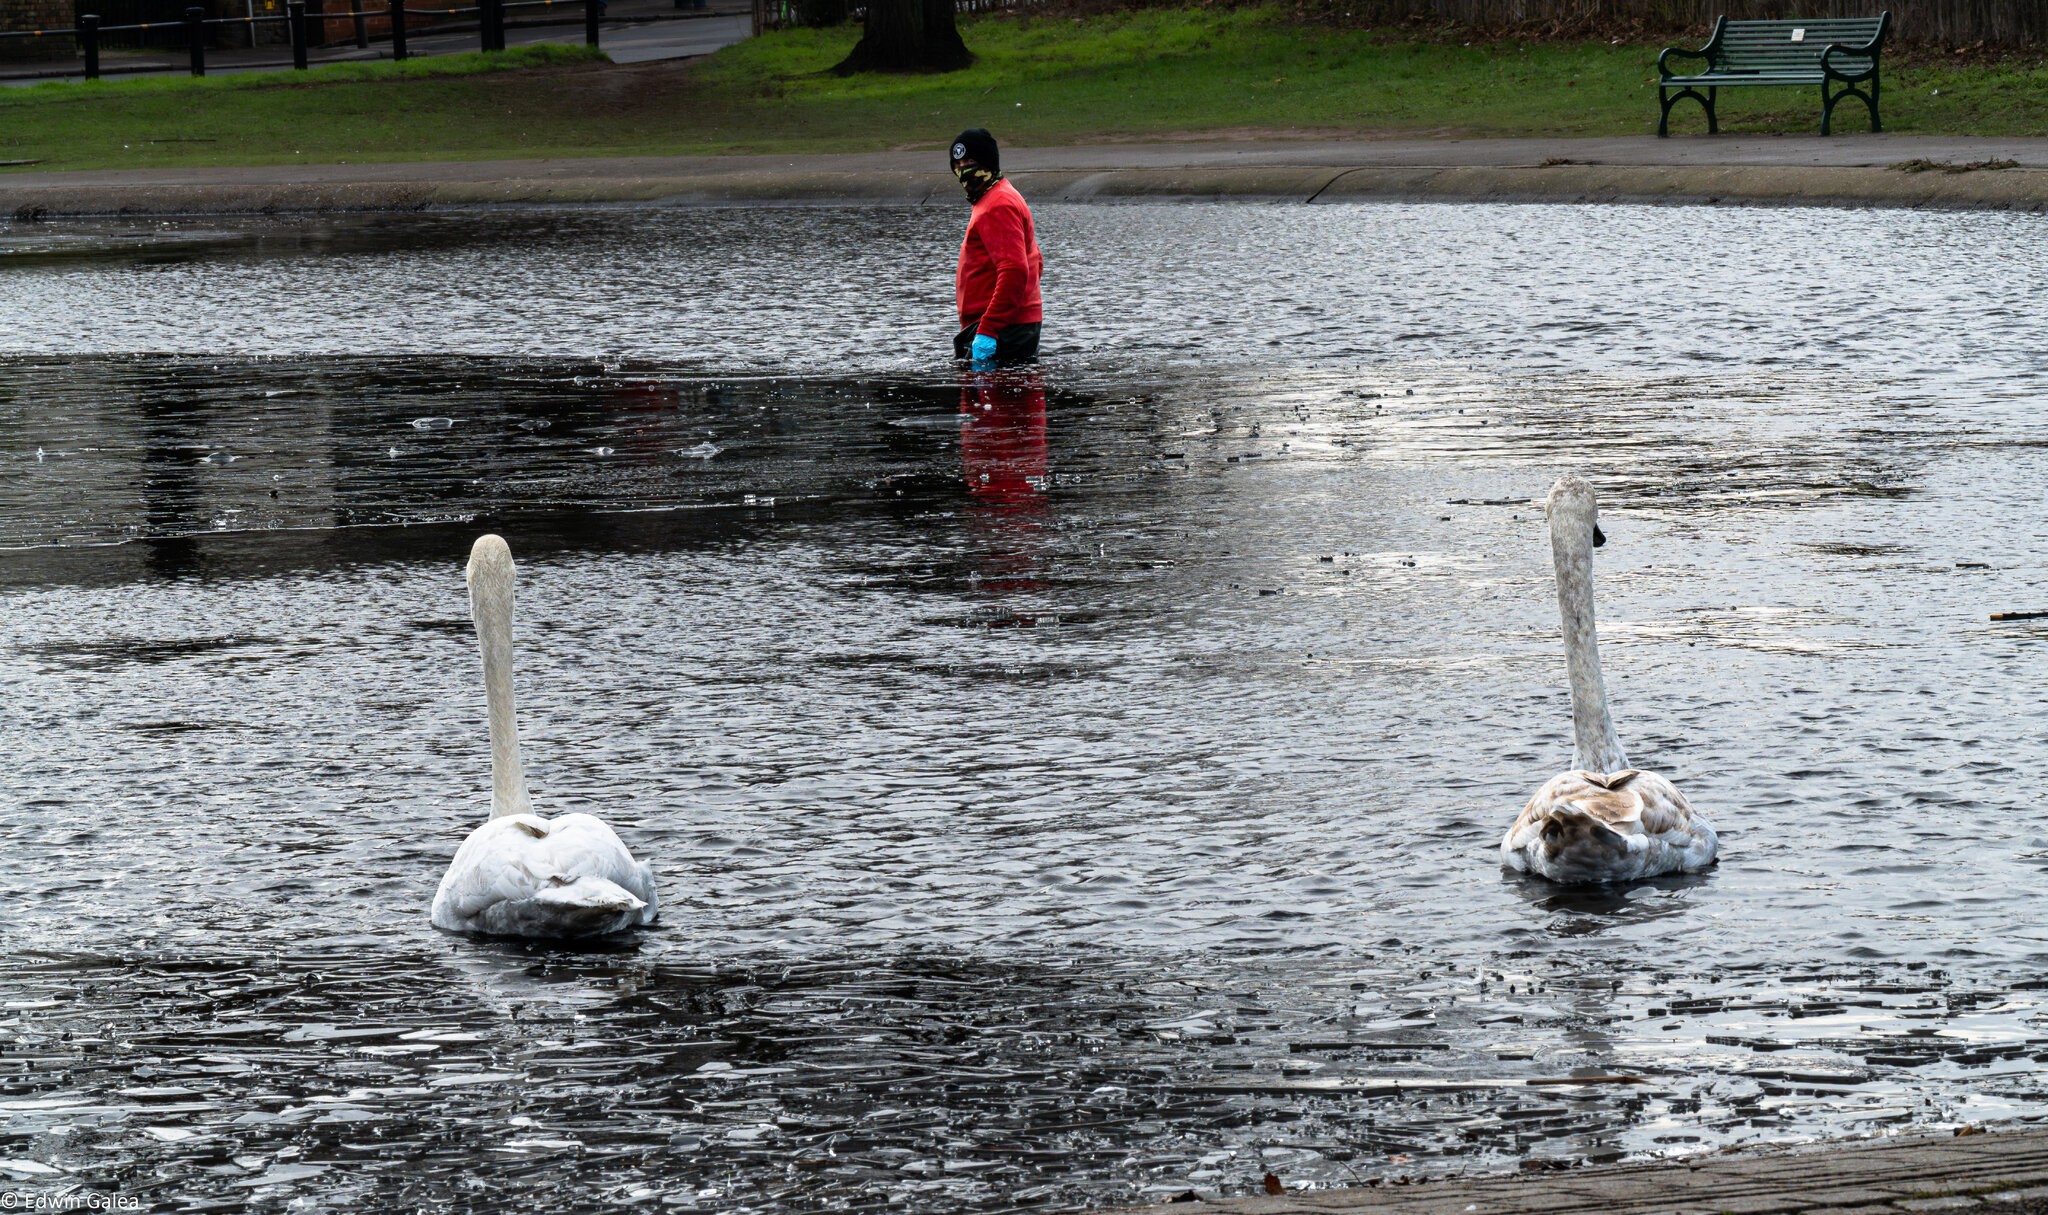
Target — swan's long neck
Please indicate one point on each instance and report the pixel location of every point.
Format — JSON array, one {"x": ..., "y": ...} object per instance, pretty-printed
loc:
[
  {"x": 1594, "y": 744},
  {"x": 490, "y": 605}
]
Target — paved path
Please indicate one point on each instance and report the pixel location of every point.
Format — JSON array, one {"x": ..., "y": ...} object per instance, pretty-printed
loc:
[
  {"x": 1805, "y": 170},
  {"x": 1989, "y": 1173},
  {"x": 1781, "y": 151}
]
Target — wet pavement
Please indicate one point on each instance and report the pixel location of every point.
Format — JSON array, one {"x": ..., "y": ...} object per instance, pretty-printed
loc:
[{"x": 1066, "y": 786}]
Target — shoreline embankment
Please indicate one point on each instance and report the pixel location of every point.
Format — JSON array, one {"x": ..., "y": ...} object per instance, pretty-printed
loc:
[{"x": 1802, "y": 170}]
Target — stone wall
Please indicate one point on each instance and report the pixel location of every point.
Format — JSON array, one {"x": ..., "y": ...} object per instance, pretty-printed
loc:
[{"x": 36, "y": 15}]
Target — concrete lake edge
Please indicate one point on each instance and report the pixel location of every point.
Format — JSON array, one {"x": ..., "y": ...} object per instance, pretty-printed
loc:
[{"x": 1780, "y": 171}]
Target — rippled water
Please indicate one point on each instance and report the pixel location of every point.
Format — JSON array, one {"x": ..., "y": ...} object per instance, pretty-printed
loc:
[{"x": 1066, "y": 786}]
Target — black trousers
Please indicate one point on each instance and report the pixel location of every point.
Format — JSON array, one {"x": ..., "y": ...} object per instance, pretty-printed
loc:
[{"x": 1015, "y": 344}]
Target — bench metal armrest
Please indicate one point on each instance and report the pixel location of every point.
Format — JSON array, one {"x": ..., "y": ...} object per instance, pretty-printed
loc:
[
  {"x": 1678, "y": 52},
  {"x": 1868, "y": 50},
  {"x": 1706, "y": 52},
  {"x": 1828, "y": 68}
]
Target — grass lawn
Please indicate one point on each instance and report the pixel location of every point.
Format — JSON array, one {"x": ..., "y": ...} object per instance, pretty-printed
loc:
[{"x": 1038, "y": 81}]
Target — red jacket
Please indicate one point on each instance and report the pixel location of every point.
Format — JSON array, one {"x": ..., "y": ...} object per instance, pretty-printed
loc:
[{"x": 999, "y": 264}]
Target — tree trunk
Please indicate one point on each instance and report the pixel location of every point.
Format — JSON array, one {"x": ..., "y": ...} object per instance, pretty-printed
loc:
[{"x": 908, "y": 36}]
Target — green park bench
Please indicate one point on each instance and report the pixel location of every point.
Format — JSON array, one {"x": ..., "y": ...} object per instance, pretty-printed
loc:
[{"x": 1829, "y": 52}]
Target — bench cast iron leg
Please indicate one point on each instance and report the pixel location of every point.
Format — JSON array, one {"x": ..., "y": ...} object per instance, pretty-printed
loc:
[
  {"x": 1828, "y": 104},
  {"x": 1713, "y": 114},
  {"x": 1664, "y": 120}
]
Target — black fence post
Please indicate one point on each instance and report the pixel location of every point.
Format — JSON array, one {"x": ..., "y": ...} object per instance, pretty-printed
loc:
[
  {"x": 397, "y": 28},
  {"x": 492, "y": 19},
  {"x": 89, "y": 42},
  {"x": 362, "y": 20},
  {"x": 590, "y": 9},
  {"x": 195, "y": 38},
  {"x": 295, "y": 21}
]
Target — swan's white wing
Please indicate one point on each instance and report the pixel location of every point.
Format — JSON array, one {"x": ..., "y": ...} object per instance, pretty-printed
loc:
[
  {"x": 523, "y": 875},
  {"x": 494, "y": 865},
  {"x": 582, "y": 843}
]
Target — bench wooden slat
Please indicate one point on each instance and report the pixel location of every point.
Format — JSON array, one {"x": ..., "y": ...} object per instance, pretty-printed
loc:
[
  {"x": 1843, "y": 63},
  {"x": 1808, "y": 37},
  {"x": 1784, "y": 29},
  {"x": 1780, "y": 46},
  {"x": 1790, "y": 50},
  {"x": 1741, "y": 78},
  {"x": 1814, "y": 29}
]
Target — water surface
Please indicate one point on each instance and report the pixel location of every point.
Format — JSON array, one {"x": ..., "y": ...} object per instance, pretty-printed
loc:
[{"x": 1067, "y": 787}]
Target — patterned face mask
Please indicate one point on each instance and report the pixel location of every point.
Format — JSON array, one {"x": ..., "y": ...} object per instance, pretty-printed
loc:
[{"x": 976, "y": 180}]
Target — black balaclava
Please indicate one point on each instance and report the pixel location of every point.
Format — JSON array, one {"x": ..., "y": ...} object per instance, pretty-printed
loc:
[{"x": 976, "y": 162}]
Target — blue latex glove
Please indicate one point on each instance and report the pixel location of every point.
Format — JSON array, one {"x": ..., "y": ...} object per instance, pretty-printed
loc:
[{"x": 984, "y": 350}]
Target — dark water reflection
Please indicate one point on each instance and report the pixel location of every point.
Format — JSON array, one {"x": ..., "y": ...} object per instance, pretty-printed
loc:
[{"x": 1066, "y": 786}]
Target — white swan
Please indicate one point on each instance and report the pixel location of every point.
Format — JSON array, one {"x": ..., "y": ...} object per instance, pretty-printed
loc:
[
  {"x": 519, "y": 874},
  {"x": 1603, "y": 821}
]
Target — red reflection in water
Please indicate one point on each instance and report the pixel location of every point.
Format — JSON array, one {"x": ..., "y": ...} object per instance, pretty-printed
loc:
[
  {"x": 645, "y": 394},
  {"x": 1002, "y": 438},
  {"x": 1003, "y": 459}
]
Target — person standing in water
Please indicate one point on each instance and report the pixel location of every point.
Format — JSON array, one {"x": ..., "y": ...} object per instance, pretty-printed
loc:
[{"x": 996, "y": 285}]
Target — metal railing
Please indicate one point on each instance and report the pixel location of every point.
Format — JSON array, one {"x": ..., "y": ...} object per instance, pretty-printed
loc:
[{"x": 491, "y": 26}]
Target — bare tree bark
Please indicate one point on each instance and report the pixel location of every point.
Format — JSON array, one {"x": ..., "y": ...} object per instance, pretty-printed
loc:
[{"x": 908, "y": 36}]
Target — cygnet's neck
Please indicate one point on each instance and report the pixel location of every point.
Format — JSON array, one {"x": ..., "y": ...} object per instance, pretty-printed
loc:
[{"x": 1596, "y": 748}]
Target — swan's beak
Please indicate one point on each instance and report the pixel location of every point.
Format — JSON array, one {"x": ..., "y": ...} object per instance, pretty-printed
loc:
[{"x": 1599, "y": 537}]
